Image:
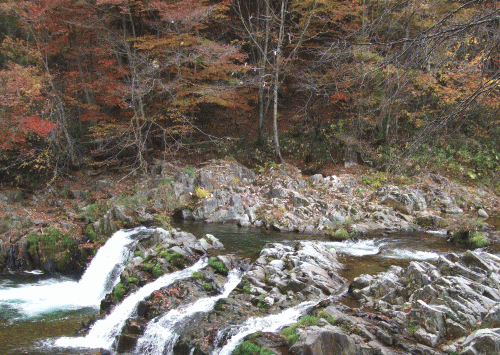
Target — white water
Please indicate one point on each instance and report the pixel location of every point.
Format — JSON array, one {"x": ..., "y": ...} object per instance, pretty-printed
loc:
[
  {"x": 271, "y": 323},
  {"x": 410, "y": 254},
  {"x": 160, "y": 335},
  {"x": 63, "y": 294},
  {"x": 357, "y": 247},
  {"x": 103, "y": 332}
]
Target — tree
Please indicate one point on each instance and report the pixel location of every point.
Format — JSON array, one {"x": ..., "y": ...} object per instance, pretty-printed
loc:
[{"x": 264, "y": 24}]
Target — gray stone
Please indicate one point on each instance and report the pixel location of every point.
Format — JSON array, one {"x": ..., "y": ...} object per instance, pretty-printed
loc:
[
  {"x": 277, "y": 191},
  {"x": 482, "y": 342},
  {"x": 100, "y": 185},
  {"x": 216, "y": 244},
  {"x": 326, "y": 340},
  {"x": 316, "y": 179},
  {"x": 118, "y": 214},
  {"x": 482, "y": 213}
]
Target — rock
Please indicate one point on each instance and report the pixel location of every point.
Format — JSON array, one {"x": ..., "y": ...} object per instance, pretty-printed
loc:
[
  {"x": 325, "y": 341},
  {"x": 277, "y": 191},
  {"x": 216, "y": 244},
  {"x": 316, "y": 179},
  {"x": 449, "y": 205},
  {"x": 482, "y": 342},
  {"x": 14, "y": 196},
  {"x": 405, "y": 202},
  {"x": 118, "y": 214},
  {"x": 100, "y": 185},
  {"x": 430, "y": 323},
  {"x": 446, "y": 299},
  {"x": 482, "y": 213}
]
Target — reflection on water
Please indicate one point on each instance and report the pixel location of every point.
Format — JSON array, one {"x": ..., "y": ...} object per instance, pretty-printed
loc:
[{"x": 245, "y": 242}]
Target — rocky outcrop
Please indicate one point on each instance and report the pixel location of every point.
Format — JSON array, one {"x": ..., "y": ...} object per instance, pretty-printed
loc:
[
  {"x": 317, "y": 204},
  {"x": 438, "y": 303},
  {"x": 282, "y": 277}
]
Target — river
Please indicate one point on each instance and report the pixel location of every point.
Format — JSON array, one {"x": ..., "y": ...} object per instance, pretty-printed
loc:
[{"x": 36, "y": 309}]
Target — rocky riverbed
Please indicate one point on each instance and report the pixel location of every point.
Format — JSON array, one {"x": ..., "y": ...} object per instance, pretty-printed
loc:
[
  {"x": 426, "y": 308},
  {"x": 448, "y": 307},
  {"x": 280, "y": 198}
]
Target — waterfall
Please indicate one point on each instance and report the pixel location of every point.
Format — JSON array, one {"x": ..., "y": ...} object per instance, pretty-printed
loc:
[
  {"x": 104, "y": 331},
  {"x": 112, "y": 258},
  {"x": 161, "y": 336},
  {"x": 64, "y": 294},
  {"x": 271, "y": 323}
]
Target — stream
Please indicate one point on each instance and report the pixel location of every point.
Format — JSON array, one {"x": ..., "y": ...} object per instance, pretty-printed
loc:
[{"x": 39, "y": 313}]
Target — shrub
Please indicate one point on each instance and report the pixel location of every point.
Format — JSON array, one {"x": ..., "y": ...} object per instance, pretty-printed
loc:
[
  {"x": 119, "y": 292},
  {"x": 138, "y": 253},
  {"x": 147, "y": 267},
  {"x": 207, "y": 287},
  {"x": 477, "y": 239},
  {"x": 201, "y": 192},
  {"x": 339, "y": 234},
  {"x": 163, "y": 221},
  {"x": 132, "y": 280},
  {"x": 472, "y": 238},
  {"x": 197, "y": 275},
  {"x": 175, "y": 259},
  {"x": 218, "y": 265},
  {"x": 157, "y": 271},
  {"x": 90, "y": 232}
]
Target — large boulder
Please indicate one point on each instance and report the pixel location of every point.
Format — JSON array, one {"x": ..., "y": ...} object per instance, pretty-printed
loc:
[{"x": 325, "y": 340}]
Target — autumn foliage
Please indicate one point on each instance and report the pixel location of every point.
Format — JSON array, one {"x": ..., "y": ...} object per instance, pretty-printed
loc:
[{"x": 129, "y": 80}]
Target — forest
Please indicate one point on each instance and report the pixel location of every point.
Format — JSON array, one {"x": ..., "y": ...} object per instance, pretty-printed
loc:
[{"x": 394, "y": 85}]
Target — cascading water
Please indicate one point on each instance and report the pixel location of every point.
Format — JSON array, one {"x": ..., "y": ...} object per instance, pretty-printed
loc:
[
  {"x": 383, "y": 248},
  {"x": 103, "y": 332},
  {"x": 359, "y": 247},
  {"x": 161, "y": 334},
  {"x": 271, "y": 323},
  {"x": 63, "y": 294}
]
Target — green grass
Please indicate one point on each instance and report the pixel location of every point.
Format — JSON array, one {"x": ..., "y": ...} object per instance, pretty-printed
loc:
[
  {"x": 308, "y": 320},
  {"x": 249, "y": 348},
  {"x": 291, "y": 334},
  {"x": 325, "y": 315}
]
